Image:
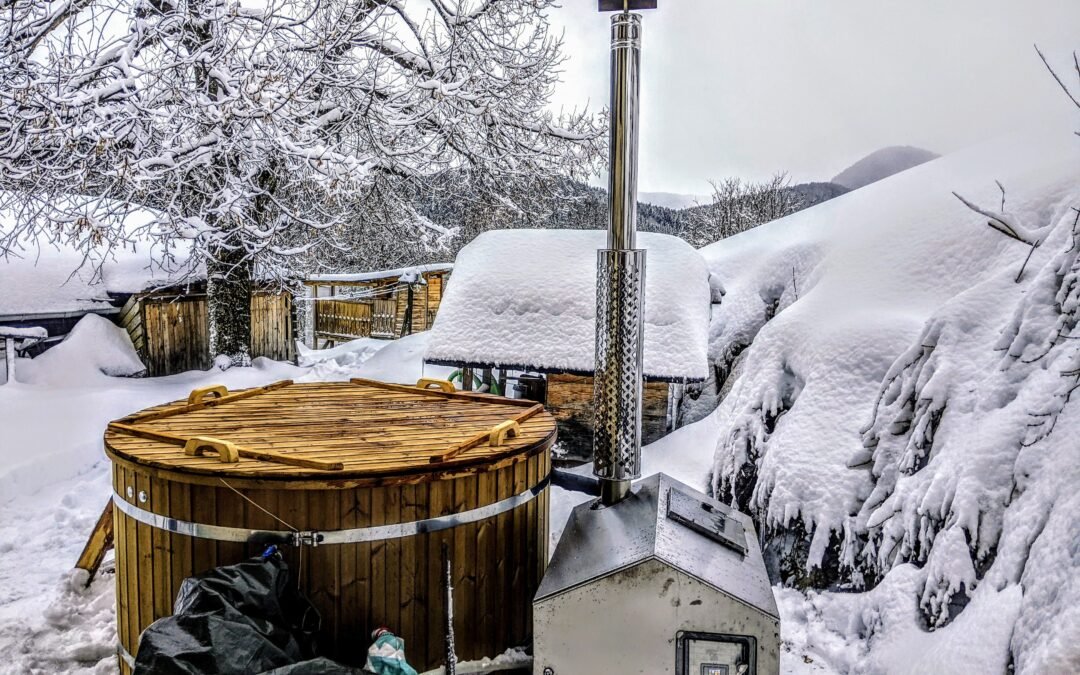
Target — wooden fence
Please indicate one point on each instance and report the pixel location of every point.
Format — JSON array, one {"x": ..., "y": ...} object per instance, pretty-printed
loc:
[
  {"x": 382, "y": 308},
  {"x": 171, "y": 334}
]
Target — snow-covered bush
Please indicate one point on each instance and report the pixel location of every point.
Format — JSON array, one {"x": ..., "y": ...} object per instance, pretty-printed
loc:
[{"x": 901, "y": 412}]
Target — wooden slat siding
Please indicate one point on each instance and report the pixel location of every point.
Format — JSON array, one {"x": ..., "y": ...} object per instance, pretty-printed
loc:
[
  {"x": 159, "y": 503},
  {"x": 407, "y": 596},
  {"x": 173, "y": 331},
  {"x": 362, "y": 555},
  {"x": 521, "y": 548},
  {"x": 324, "y": 568},
  {"x": 343, "y": 319},
  {"x": 350, "y": 611},
  {"x": 183, "y": 559},
  {"x": 504, "y": 564},
  {"x": 569, "y": 399},
  {"x": 271, "y": 325},
  {"x": 378, "y": 559},
  {"x": 532, "y": 562},
  {"x": 203, "y": 510},
  {"x": 394, "y": 578},
  {"x": 440, "y": 496},
  {"x": 131, "y": 320},
  {"x": 464, "y": 552},
  {"x": 176, "y": 335},
  {"x": 122, "y": 547},
  {"x": 487, "y": 583},
  {"x": 230, "y": 512}
]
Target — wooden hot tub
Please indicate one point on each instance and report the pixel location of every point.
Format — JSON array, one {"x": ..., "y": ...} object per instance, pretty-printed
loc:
[{"x": 361, "y": 482}]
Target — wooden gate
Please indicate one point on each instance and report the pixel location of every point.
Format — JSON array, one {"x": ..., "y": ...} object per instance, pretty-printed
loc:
[
  {"x": 176, "y": 335},
  {"x": 271, "y": 325}
]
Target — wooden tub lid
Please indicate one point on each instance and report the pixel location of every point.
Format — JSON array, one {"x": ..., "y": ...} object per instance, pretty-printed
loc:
[{"x": 330, "y": 431}]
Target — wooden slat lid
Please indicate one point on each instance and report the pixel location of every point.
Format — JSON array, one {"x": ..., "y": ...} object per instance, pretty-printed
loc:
[{"x": 328, "y": 430}]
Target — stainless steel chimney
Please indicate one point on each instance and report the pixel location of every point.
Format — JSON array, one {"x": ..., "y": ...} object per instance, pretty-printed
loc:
[{"x": 620, "y": 282}]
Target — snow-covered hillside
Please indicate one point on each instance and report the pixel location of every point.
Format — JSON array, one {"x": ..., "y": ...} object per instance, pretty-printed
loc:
[
  {"x": 881, "y": 164},
  {"x": 898, "y": 411}
]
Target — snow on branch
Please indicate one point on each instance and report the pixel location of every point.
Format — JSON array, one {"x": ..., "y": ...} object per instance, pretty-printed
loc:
[{"x": 1005, "y": 223}]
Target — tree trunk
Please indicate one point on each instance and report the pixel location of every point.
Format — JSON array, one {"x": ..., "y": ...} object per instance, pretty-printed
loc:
[{"x": 228, "y": 302}]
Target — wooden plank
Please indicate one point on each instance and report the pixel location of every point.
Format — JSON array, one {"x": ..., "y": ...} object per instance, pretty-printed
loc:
[
  {"x": 464, "y": 552},
  {"x": 206, "y": 403},
  {"x": 486, "y": 561},
  {"x": 461, "y": 395},
  {"x": 145, "y": 573},
  {"x": 378, "y": 591},
  {"x": 203, "y": 510},
  {"x": 120, "y": 522},
  {"x": 520, "y": 554},
  {"x": 440, "y": 503},
  {"x": 482, "y": 437},
  {"x": 249, "y": 453},
  {"x": 161, "y": 559},
  {"x": 350, "y": 604},
  {"x": 100, "y": 541},
  {"x": 182, "y": 545},
  {"x": 392, "y": 558}
]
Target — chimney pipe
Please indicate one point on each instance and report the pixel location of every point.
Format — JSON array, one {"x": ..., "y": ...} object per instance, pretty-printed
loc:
[{"x": 620, "y": 282}]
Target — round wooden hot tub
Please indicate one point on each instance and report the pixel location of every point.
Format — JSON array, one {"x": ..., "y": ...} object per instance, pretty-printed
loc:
[{"x": 361, "y": 483}]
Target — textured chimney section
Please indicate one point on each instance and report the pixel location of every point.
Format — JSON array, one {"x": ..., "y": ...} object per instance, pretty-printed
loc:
[{"x": 620, "y": 282}]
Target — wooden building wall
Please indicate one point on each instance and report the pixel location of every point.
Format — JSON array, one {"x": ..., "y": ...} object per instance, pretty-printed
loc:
[
  {"x": 381, "y": 314},
  {"x": 170, "y": 331},
  {"x": 570, "y": 401}
]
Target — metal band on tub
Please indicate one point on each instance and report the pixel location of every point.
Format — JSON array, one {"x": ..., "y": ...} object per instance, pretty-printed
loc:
[{"x": 316, "y": 537}]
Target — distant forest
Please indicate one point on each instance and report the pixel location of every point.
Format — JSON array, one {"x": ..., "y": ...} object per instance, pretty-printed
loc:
[{"x": 573, "y": 204}]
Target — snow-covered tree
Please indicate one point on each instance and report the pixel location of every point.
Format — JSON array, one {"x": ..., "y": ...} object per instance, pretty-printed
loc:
[
  {"x": 258, "y": 131},
  {"x": 738, "y": 205}
]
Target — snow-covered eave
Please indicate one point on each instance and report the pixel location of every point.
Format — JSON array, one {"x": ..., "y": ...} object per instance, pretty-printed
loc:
[
  {"x": 379, "y": 274},
  {"x": 553, "y": 370},
  {"x": 38, "y": 316}
]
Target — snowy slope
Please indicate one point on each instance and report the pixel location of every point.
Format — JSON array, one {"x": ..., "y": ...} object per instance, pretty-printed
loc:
[
  {"x": 899, "y": 415},
  {"x": 881, "y": 164}
]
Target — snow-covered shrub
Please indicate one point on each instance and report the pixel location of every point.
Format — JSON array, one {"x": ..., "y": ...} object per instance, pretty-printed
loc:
[{"x": 901, "y": 418}]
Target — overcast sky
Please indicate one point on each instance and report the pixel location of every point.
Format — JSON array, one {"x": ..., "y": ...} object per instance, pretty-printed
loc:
[{"x": 750, "y": 87}]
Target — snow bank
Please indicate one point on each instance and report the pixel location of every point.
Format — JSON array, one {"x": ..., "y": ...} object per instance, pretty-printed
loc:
[
  {"x": 400, "y": 361},
  {"x": 901, "y": 397},
  {"x": 94, "y": 348},
  {"x": 527, "y": 299},
  {"x": 406, "y": 274}
]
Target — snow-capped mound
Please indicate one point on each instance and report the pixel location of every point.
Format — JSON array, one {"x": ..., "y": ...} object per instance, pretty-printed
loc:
[
  {"x": 881, "y": 164},
  {"x": 899, "y": 409},
  {"x": 95, "y": 347}
]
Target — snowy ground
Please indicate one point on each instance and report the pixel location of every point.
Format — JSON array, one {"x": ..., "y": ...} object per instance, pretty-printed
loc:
[{"x": 54, "y": 481}]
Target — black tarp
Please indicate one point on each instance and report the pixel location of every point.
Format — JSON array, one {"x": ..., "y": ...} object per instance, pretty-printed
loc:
[{"x": 237, "y": 619}]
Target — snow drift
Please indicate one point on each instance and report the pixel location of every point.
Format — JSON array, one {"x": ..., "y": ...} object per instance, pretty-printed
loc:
[
  {"x": 899, "y": 416},
  {"x": 94, "y": 348}
]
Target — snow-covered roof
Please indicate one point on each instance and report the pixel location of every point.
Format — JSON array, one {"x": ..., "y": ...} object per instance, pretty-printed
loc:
[
  {"x": 407, "y": 272},
  {"x": 41, "y": 277},
  {"x": 527, "y": 299}
]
